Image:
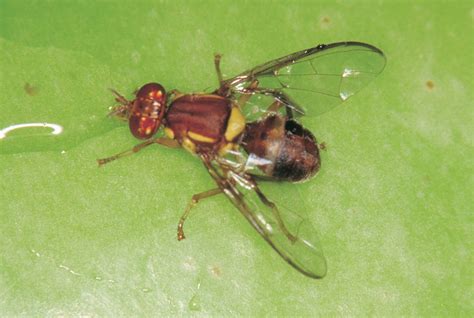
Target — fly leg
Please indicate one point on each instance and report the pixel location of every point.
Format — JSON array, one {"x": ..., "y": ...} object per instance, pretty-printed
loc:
[
  {"x": 276, "y": 214},
  {"x": 290, "y": 105},
  {"x": 121, "y": 110},
  {"x": 162, "y": 141},
  {"x": 217, "y": 64},
  {"x": 244, "y": 98},
  {"x": 274, "y": 107},
  {"x": 119, "y": 97},
  {"x": 194, "y": 200}
]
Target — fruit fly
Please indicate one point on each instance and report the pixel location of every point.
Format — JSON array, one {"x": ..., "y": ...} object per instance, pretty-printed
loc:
[{"x": 246, "y": 130}]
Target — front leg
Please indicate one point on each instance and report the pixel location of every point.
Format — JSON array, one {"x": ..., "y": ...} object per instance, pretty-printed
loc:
[
  {"x": 122, "y": 110},
  {"x": 217, "y": 65},
  {"x": 162, "y": 141}
]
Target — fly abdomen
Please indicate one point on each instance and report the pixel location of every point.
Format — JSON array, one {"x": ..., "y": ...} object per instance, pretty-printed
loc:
[{"x": 289, "y": 151}]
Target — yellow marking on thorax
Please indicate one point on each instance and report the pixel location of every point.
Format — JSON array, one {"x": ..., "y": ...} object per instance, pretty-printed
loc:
[
  {"x": 201, "y": 138},
  {"x": 169, "y": 132},
  {"x": 235, "y": 125}
]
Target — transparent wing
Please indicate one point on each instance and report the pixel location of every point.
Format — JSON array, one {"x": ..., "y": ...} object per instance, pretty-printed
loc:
[
  {"x": 290, "y": 235},
  {"x": 321, "y": 77}
]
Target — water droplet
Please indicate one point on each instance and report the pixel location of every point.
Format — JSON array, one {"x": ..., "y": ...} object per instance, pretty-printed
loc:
[
  {"x": 68, "y": 97},
  {"x": 56, "y": 129},
  {"x": 35, "y": 252},
  {"x": 345, "y": 95}
]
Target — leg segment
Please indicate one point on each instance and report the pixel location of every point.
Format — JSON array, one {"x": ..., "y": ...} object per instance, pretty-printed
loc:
[
  {"x": 194, "y": 200},
  {"x": 290, "y": 105},
  {"x": 162, "y": 141},
  {"x": 122, "y": 110},
  {"x": 244, "y": 98},
  {"x": 274, "y": 107},
  {"x": 119, "y": 98},
  {"x": 217, "y": 64}
]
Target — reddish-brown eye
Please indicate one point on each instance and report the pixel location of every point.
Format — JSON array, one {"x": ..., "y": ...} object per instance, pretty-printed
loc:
[{"x": 147, "y": 110}]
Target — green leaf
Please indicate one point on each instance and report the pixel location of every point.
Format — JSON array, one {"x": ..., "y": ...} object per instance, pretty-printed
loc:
[{"x": 392, "y": 204}]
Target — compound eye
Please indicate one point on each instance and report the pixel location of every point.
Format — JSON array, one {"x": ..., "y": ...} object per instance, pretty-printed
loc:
[
  {"x": 152, "y": 91},
  {"x": 147, "y": 111}
]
